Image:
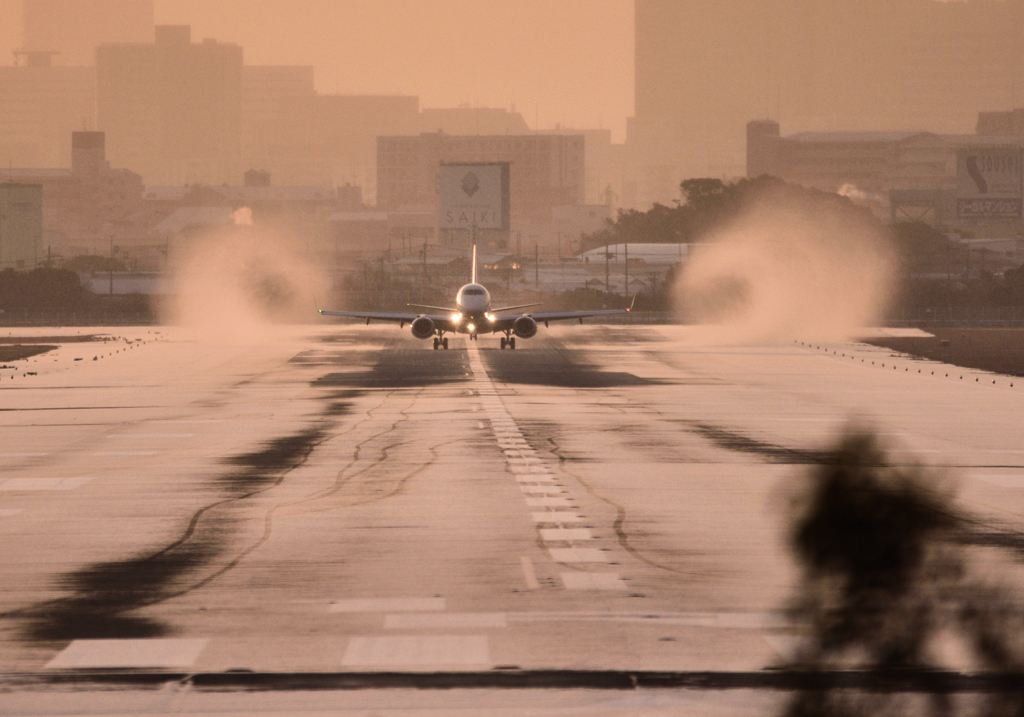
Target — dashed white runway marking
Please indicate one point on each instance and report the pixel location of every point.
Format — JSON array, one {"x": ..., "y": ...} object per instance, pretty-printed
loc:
[
  {"x": 28, "y": 484},
  {"x": 529, "y": 573},
  {"x": 541, "y": 490},
  {"x": 417, "y": 650},
  {"x": 152, "y": 435},
  {"x": 434, "y": 604},
  {"x": 549, "y": 502},
  {"x": 557, "y": 535},
  {"x": 444, "y": 620},
  {"x": 555, "y": 516},
  {"x": 128, "y": 653},
  {"x": 592, "y": 581},
  {"x": 579, "y": 555}
]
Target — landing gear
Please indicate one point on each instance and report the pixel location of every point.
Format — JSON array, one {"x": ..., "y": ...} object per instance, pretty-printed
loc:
[
  {"x": 503, "y": 342},
  {"x": 508, "y": 341},
  {"x": 437, "y": 342},
  {"x": 444, "y": 342},
  {"x": 440, "y": 343}
]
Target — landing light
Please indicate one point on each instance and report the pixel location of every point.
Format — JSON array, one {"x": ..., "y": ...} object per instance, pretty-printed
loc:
[
  {"x": 490, "y": 317},
  {"x": 456, "y": 318},
  {"x": 471, "y": 328}
]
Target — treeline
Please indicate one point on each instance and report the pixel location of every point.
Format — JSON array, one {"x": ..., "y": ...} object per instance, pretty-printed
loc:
[
  {"x": 935, "y": 274},
  {"x": 48, "y": 294},
  {"x": 707, "y": 205}
]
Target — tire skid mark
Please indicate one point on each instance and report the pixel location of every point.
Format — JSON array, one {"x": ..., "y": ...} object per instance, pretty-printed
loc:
[
  {"x": 620, "y": 517},
  {"x": 104, "y": 594}
]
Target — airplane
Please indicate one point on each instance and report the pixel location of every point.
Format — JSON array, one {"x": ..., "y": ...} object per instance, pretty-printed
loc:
[{"x": 473, "y": 315}]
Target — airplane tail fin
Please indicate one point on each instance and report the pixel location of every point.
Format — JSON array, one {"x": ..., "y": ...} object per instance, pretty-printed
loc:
[{"x": 473, "y": 280}]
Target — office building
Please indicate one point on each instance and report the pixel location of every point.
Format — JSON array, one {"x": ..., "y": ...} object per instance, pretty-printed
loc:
[
  {"x": 172, "y": 108},
  {"x": 703, "y": 69}
]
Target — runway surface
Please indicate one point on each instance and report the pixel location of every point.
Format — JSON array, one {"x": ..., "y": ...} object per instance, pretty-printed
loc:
[{"x": 343, "y": 499}]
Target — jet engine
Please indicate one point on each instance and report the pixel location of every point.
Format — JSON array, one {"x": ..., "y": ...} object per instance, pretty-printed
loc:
[
  {"x": 423, "y": 327},
  {"x": 524, "y": 327}
]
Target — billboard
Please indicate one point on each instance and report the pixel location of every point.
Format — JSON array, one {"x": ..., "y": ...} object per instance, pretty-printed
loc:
[
  {"x": 474, "y": 196},
  {"x": 988, "y": 182}
]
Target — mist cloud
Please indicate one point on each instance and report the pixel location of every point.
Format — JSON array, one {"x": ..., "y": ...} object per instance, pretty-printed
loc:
[{"x": 790, "y": 267}]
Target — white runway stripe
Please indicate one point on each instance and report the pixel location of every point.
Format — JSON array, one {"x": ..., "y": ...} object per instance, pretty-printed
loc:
[
  {"x": 128, "y": 653},
  {"x": 541, "y": 490},
  {"x": 417, "y": 650},
  {"x": 434, "y": 604}
]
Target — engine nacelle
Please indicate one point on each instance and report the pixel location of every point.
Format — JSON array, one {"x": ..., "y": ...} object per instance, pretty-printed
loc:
[
  {"x": 524, "y": 327},
  {"x": 422, "y": 327}
]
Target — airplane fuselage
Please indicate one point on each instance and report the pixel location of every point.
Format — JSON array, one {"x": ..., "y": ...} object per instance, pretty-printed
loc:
[{"x": 474, "y": 311}]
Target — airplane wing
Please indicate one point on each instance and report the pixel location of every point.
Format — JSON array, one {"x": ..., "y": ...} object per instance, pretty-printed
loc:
[
  {"x": 510, "y": 308},
  {"x": 542, "y": 317},
  {"x": 436, "y": 308},
  {"x": 402, "y": 317}
]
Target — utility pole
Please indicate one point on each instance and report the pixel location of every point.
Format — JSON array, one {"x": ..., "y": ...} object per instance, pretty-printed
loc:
[
  {"x": 111, "y": 264},
  {"x": 536, "y": 266},
  {"x": 627, "y": 269}
]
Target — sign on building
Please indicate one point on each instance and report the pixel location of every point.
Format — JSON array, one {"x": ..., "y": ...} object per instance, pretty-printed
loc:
[
  {"x": 988, "y": 182},
  {"x": 474, "y": 196},
  {"x": 21, "y": 225}
]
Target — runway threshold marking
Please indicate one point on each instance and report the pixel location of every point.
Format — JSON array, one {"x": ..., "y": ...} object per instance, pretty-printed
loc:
[
  {"x": 417, "y": 650},
  {"x": 541, "y": 489},
  {"x": 140, "y": 653},
  {"x": 434, "y": 604}
]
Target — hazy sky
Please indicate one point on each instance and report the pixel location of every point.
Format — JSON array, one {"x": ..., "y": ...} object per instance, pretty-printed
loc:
[{"x": 567, "y": 61}]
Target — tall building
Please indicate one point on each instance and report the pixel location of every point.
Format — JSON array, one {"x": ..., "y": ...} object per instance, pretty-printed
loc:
[
  {"x": 40, "y": 106},
  {"x": 704, "y": 69},
  {"x": 73, "y": 29},
  {"x": 172, "y": 108},
  {"x": 547, "y": 171}
]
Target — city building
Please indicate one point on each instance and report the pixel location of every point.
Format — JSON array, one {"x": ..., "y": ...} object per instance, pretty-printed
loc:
[
  {"x": 89, "y": 208},
  {"x": 171, "y": 108},
  {"x": 21, "y": 225},
  {"x": 547, "y": 171},
  {"x": 704, "y": 69},
  {"x": 899, "y": 175},
  {"x": 40, "y": 105}
]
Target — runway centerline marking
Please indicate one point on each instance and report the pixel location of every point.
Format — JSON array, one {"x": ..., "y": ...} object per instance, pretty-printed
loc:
[{"x": 537, "y": 482}]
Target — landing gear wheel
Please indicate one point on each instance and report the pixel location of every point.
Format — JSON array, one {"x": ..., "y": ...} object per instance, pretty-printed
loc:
[
  {"x": 437, "y": 342},
  {"x": 444, "y": 342},
  {"x": 512, "y": 343},
  {"x": 502, "y": 343}
]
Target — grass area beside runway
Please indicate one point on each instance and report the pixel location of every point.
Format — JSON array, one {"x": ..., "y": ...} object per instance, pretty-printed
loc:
[{"x": 996, "y": 350}]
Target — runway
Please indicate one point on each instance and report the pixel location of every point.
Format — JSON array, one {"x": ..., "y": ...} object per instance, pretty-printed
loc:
[{"x": 342, "y": 499}]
